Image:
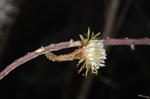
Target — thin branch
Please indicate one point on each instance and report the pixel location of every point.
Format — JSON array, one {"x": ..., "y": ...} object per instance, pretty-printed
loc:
[
  {"x": 127, "y": 41},
  {"x": 34, "y": 54},
  {"x": 64, "y": 45}
]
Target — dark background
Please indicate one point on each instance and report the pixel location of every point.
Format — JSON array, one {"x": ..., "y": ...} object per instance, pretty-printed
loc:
[{"x": 39, "y": 23}]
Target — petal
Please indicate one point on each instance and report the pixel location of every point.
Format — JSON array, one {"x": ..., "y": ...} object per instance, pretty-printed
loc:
[{"x": 90, "y": 54}]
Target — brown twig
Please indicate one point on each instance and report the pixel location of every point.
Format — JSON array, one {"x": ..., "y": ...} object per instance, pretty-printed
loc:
[
  {"x": 127, "y": 41},
  {"x": 34, "y": 54},
  {"x": 64, "y": 45}
]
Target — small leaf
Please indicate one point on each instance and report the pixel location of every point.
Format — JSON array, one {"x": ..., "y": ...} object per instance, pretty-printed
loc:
[
  {"x": 95, "y": 35},
  {"x": 82, "y": 38},
  {"x": 88, "y": 33},
  {"x": 82, "y": 67},
  {"x": 92, "y": 35},
  {"x": 81, "y": 60},
  {"x": 87, "y": 70}
]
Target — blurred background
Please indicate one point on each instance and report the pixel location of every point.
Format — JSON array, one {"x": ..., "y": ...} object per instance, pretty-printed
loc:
[{"x": 26, "y": 25}]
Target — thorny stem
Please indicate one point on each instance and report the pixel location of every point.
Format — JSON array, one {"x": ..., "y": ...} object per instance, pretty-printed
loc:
[{"x": 64, "y": 45}]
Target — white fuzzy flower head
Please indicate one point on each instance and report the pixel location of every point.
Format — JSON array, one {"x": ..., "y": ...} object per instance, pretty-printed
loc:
[{"x": 93, "y": 54}]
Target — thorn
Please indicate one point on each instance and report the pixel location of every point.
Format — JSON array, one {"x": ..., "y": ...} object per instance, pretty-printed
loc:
[
  {"x": 40, "y": 49},
  {"x": 71, "y": 40},
  {"x": 126, "y": 38},
  {"x": 107, "y": 37},
  {"x": 52, "y": 44},
  {"x": 132, "y": 47}
]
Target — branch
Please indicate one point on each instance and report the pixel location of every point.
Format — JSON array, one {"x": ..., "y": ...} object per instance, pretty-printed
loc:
[
  {"x": 64, "y": 45},
  {"x": 127, "y": 41},
  {"x": 34, "y": 54}
]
